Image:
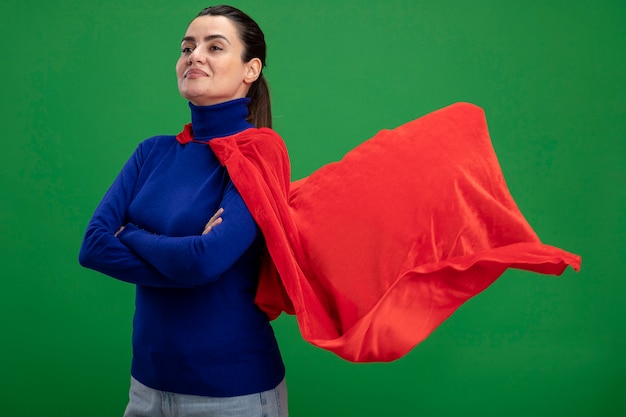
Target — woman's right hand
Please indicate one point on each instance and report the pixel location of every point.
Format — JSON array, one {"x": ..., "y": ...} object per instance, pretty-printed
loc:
[{"x": 213, "y": 221}]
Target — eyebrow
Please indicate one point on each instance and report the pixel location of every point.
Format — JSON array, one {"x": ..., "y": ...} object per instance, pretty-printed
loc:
[{"x": 206, "y": 38}]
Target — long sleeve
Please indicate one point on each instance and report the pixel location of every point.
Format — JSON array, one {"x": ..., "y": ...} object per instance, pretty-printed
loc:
[
  {"x": 194, "y": 295},
  {"x": 196, "y": 260},
  {"x": 101, "y": 250}
]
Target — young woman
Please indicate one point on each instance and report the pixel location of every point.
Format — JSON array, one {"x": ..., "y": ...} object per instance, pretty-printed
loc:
[
  {"x": 371, "y": 253},
  {"x": 173, "y": 224}
]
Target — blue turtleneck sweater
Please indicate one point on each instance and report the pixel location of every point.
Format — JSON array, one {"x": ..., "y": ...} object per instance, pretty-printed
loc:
[{"x": 196, "y": 328}]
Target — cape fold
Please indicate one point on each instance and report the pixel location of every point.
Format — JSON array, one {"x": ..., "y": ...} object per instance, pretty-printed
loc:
[{"x": 373, "y": 252}]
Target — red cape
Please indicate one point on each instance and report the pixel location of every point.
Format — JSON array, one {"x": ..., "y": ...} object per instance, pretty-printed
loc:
[{"x": 375, "y": 251}]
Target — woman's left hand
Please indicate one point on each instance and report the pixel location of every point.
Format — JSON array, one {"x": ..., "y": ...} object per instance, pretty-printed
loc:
[{"x": 213, "y": 221}]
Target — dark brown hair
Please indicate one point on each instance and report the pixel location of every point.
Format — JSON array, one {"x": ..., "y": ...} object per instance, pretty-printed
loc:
[{"x": 251, "y": 35}]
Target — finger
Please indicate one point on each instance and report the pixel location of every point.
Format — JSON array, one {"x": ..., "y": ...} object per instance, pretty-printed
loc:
[
  {"x": 213, "y": 221},
  {"x": 215, "y": 217},
  {"x": 217, "y": 214},
  {"x": 119, "y": 231},
  {"x": 211, "y": 224}
]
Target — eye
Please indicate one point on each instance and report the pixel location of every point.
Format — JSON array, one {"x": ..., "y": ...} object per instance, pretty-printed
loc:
[
  {"x": 215, "y": 48},
  {"x": 186, "y": 50}
]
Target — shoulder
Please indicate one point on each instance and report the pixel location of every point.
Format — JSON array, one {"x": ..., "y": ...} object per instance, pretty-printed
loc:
[
  {"x": 262, "y": 142},
  {"x": 156, "y": 145},
  {"x": 263, "y": 137},
  {"x": 160, "y": 141},
  {"x": 254, "y": 153}
]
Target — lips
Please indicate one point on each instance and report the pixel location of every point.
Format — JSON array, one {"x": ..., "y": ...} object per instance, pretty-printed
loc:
[{"x": 195, "y": 73}]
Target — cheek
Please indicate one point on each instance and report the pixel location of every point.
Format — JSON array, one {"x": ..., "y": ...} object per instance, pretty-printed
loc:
[{"x": 180, "y": 67}]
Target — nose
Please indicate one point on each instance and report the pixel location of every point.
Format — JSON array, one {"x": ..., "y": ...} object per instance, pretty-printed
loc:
[{"x": 195, "y": 56}]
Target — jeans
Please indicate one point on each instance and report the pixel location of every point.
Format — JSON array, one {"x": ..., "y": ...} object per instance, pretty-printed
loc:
[{"x": 148, "y": 402}]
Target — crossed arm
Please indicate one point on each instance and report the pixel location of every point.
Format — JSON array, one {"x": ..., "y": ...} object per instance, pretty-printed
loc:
[
  {"x": 138, "y": 256},
  {"x": 213, "y": 221}
]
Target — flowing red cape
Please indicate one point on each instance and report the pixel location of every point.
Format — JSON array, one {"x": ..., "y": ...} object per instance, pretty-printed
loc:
[{"x": 373, "y": 252}]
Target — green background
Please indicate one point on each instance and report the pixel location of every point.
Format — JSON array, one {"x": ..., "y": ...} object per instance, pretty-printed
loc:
[{"x": 83, "y": 82}]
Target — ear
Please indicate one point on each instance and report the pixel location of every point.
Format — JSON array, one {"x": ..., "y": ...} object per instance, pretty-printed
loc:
[{"x": 253, "y": 70}]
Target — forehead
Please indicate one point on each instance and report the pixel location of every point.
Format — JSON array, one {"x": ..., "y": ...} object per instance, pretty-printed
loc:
[{"x": 204, "y": 26}]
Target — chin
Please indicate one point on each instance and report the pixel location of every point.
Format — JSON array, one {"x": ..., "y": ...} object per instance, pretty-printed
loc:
[{"x": 196, "y": 99}]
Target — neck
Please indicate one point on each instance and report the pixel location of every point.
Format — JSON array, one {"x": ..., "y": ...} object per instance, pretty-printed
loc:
[{"x": 219, "y": 120}]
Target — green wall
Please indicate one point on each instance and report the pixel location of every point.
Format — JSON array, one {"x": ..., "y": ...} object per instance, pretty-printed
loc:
[{"x": 83, "y": 82}]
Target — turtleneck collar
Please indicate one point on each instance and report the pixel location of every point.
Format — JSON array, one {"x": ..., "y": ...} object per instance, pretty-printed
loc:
[{"x": 219, "y": 120}]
